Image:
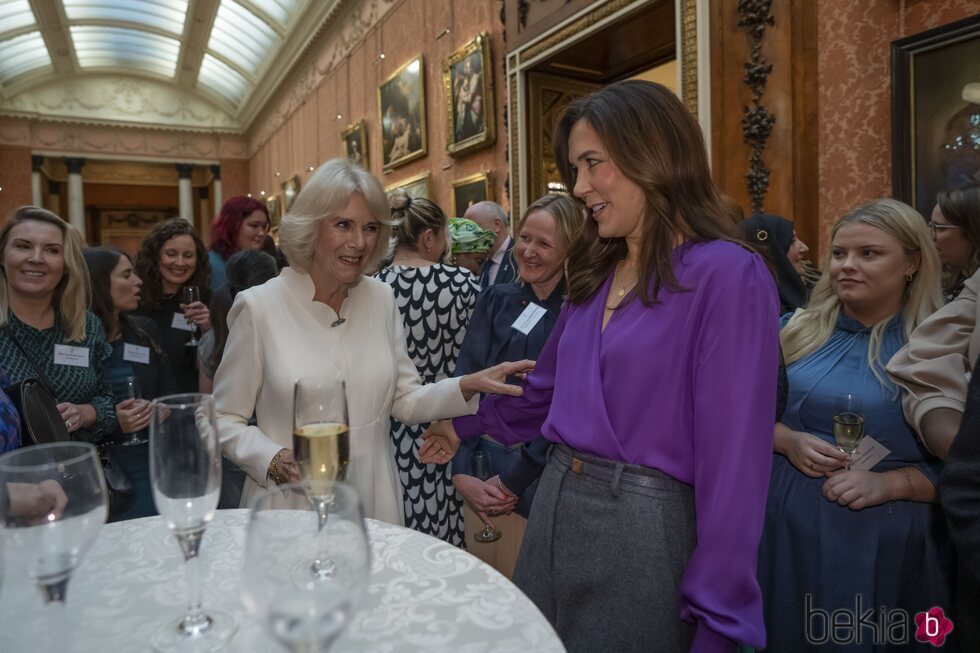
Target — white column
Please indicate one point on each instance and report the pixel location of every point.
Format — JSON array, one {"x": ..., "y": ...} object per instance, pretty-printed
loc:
[
  {"x": 36, "y": 163},
  {"x": 216, "y": 183},
  {"x": 186, "y": 192},
  {"x": 76, "y": 200}
]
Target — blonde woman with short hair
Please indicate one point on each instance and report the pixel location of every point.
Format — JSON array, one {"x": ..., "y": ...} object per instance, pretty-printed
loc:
[
  {"x": 45, "y": 330},
  {"x": 834, "y": 534}
]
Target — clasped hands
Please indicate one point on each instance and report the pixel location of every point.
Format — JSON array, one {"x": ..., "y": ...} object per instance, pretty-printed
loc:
[{"x": 488, "y": 498}]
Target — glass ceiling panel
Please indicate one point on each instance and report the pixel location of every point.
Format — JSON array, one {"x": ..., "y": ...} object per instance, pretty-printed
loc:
[
  {"x": 223, "y": 80},
  {"x": 15, "y": 14},
  {"x": 166, "y": 15},
  {"x": 280, "y": 11},
  {"x": 21, "y": 54},
  {"x": 128, "y": 48},
  {"x": 240, "y": 36}
]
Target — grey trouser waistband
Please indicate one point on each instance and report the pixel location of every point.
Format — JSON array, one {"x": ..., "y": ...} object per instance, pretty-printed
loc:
[{"x": 615, "y": 473}]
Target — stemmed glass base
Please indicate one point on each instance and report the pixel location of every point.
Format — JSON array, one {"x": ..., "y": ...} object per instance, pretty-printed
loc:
[
  {"x": 210, "y": 632},
  {"x": 135, "y": 440},
  {"x": 322, "y": 568},
  {"x": 487, "y": 535}
]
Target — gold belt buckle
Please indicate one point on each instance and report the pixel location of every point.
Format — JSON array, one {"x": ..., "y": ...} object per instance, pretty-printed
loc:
[{"x": 577, "y": 465}]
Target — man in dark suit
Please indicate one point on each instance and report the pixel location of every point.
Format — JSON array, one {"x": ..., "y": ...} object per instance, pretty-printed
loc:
[{"x": 499, "y": 266}]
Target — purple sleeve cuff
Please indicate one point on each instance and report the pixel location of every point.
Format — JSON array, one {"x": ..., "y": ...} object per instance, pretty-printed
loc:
[
  {"x": 468, "y": 426},
  {"x": 708, "y": 641}
]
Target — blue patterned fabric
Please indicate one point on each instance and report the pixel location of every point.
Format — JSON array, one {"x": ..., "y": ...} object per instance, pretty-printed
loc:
[{"x": 9, "y": 419}]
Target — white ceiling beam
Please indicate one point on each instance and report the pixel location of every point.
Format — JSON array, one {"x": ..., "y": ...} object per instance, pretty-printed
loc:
[
  {"x": 266, "y": 18},
  {"x": 197, "y": 31},
  {"x": 53, "y": 23}
]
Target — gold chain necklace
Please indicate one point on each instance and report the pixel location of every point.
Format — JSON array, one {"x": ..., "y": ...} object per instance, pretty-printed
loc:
[{"x": 623, "y": 287}]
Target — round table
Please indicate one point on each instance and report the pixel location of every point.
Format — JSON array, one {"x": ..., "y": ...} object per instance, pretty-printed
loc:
[{"x": 423, "y": 595}]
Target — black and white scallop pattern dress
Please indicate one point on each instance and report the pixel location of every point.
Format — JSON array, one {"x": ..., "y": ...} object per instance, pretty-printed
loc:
[{"x": 435, "y": 303}]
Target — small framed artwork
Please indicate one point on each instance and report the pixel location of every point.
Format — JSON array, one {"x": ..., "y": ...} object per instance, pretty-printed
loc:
[
  {"x": 417, "y": 186},
  {"x": 290, "y": 189},
  {"x": 401, "y": 99},
  {"x": 468, "y": 191},
  {"x": 355, "y": 143},
  {"x": 935, "y": 112},
  {"x": 273, "y": 204},
  {"x": 468, "y": 79}
]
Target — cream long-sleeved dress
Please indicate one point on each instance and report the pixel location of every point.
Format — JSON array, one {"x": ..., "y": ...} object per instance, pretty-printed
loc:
[{"x": 278, "y": 334}]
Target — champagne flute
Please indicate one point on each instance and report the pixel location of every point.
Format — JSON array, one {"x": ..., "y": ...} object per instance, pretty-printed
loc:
[
  {"x": 304, "y": 613},
  {"x": 191, "y": 294},
  {"x": 55, "y": 506},
  {"x": 848, "y": 424},
  {"x": 185, "y": 472},
  {"x": 321, "y": 446},
  {"x": 482, "y": 469},
  {"x": 129, "y": 388}
]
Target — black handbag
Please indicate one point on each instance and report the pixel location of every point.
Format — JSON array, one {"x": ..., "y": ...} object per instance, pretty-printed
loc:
[{"x": 41, "y": 422}]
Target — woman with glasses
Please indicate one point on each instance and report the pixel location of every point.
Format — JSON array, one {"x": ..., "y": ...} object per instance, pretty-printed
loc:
[{"x": 935, "y": 366}]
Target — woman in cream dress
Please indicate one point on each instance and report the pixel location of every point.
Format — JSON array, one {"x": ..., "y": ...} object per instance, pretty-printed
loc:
[{"x": 321, "y": 317}]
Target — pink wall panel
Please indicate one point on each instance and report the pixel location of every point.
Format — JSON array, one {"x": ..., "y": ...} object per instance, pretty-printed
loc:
[{"x": 15, "y": 179}]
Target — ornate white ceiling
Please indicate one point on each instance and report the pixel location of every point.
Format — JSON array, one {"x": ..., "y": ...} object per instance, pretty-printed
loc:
[{"x": 192, "y": 64}]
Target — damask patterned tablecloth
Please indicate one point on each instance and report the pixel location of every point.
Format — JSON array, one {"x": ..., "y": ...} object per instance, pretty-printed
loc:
[{"x": 424, "y": 595}]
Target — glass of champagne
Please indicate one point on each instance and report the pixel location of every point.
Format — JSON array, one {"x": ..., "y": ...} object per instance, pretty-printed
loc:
[
  {"x": 321, "y": 446},
  {"x": 191, "y": 294},
  {"x": 185, "y": 472},
  {"x": 129, "y": 388},
  {"x": 848, "y": 424},
  {"x": 54, "y": 509},
  {"x": 483, "y": 470},
  {"x": 304, "y": 613}
]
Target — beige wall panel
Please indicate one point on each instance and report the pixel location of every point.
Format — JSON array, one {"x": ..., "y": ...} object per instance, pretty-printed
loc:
[{"x": 15, "y": 179}]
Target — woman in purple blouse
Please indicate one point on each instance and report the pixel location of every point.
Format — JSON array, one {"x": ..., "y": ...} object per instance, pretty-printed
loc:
[{"x": 658, "y": 386}]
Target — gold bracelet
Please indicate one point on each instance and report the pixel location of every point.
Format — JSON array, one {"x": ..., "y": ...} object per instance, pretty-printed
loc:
[
  {"x": 274, "y": 472},
  {"x": 908, "y": 479}
]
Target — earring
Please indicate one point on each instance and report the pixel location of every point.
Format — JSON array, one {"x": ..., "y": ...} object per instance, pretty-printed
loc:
[{"x": 908, "y": 277}]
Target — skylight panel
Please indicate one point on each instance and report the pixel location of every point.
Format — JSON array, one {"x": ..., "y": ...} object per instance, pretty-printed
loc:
[
  {"x": 165, "y": 15},
  {"x": 22, "y": 54},
  {"x": 239, "y": 35},
  {"x": 99, "y": 46},
  {"x": 222, "y": 79},
  {"x": 15, "y": 14},
  {"x": 280, "y": 11}
]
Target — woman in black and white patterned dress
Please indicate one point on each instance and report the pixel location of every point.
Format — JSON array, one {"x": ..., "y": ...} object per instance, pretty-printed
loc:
[{"x": 435, "y": 301}]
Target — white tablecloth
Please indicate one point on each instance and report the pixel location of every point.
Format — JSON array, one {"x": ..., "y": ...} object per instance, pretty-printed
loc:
[{"x": 424, "y": 595}]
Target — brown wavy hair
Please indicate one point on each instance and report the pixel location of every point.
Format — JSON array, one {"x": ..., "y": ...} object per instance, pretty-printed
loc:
[
  {"x": 657, "y": 144},
  {"x": 148, "y": 261}
]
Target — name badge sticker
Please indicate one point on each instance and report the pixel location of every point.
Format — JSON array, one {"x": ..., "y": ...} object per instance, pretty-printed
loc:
[
  {"x": 136, "y": 354},
  {"x": 180, "y": 322},
  {"x": 74, "y": 356},
  {"x": 531, "y": 316}
]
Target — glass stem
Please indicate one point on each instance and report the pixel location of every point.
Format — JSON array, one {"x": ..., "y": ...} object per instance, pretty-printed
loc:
[
  {"x": 54, "y": 598},
  {"x": 196, "y": 620}
]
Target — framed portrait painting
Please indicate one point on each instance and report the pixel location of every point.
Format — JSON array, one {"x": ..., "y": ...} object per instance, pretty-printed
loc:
[
  {"x": 468, "y": 191},
  {"x": 401, "y": 99},
  {"x": 468, "y": 78},
  {"x": 417, "y": 186},
  {"x": 355, "y": 143},
  {"x": 273, "y": 205},
  {"x": 936, "y": 112},
  {"x": 290, "y": 189}
]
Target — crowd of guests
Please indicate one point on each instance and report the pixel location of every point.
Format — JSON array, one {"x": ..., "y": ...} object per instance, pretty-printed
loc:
[{"x": 654, "y": 379}]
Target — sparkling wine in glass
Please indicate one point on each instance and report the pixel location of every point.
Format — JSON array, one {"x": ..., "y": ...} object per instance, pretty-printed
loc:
[
  {"x": 54, "y": 507},
  {"x": 321, "y": 446},
  {"x": 848, "y": 424},
  {"x": 191, "y": 294},
  {"x": 185, "y": 472},
  {"x": 305, "y": 613},
  {"x": 129, "y": 388},
  {"x": 482, "y": 469}
]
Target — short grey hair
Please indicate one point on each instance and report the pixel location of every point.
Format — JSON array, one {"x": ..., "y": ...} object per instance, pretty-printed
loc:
[
  {"x": 488, "y": 209},
  {"x": 328, "y": 191}
]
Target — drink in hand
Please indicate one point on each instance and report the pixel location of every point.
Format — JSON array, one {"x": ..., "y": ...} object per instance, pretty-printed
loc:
[
  {"x": 322, "y": 453},
  {"x": 848, "y": 431}
]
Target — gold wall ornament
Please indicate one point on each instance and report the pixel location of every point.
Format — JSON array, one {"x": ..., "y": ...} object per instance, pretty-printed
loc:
[
  {"x": 290, "y": 189},
  {"x": 273, "y": 204},
  {"x": 416, "y": 187},
  {"x": 470, "y": 107},
  {"x": 401, "y": 104},
  {"x": 469, "y": 190},
  {"x": 354, "y": 139}
]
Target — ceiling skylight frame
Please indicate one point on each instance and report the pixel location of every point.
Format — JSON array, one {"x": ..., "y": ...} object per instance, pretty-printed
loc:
[
  {"x": 22, "y": 54},
  {"x": 241, "y": 38},
  {"x": 15, "y": 16},
  {"x": 162, "y": 16},
  {"x": 217, "y": 77},
  {"x": 109, "y": 46}
]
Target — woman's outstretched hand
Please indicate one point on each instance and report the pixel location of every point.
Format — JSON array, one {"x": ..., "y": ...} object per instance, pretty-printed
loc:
[
  {"x": 493, "y": 379},
  {"x": 440, "y": 443}
]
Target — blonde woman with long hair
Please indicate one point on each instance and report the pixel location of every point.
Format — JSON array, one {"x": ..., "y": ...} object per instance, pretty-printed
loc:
[
  {"x": 834, "y": 534},
  {"x": 45, "y": 330}
]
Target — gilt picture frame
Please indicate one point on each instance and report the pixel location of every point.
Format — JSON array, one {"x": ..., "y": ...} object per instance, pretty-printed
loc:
[{"x": 470, "y": 109}]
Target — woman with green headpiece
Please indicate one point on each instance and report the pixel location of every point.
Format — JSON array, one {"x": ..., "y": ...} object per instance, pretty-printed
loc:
[{"x": 470, "y": 244}]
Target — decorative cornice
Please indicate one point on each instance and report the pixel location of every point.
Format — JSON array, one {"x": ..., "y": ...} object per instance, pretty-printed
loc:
[
  {"x": 570, "y": 30},
  {"x": 757, "y": 123}
]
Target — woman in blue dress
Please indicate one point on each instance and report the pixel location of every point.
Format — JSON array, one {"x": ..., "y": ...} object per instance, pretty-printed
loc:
[{"x": 854, "y": 540}]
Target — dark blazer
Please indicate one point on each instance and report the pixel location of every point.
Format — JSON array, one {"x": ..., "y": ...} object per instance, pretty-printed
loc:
[
  {"x": 959, "y": 491},
  {"x": 157, "y": 378},
  {"x": 183, "y": 359},
  {"x": 491, "y": 339},
  {"x": 507, "y": 272}
]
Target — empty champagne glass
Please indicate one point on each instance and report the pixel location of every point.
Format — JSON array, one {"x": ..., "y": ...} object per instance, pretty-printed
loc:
[
  {"x": 53, "y": 509},
  {"x": 129, "y": 388},
  {"x": 848, "y": 424},
  {"x": 321, "y": 446},
  {"x": 304, "y": 613},
  {"x": 482, "y": 469},
  {"x": 191, "y": 294},
  {"x": 185, "y": 472}
]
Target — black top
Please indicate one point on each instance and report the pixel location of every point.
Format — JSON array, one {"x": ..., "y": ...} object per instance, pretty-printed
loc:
[
  {"x": 775, "y": 234},
  {"x": 173, "y": 341}
]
